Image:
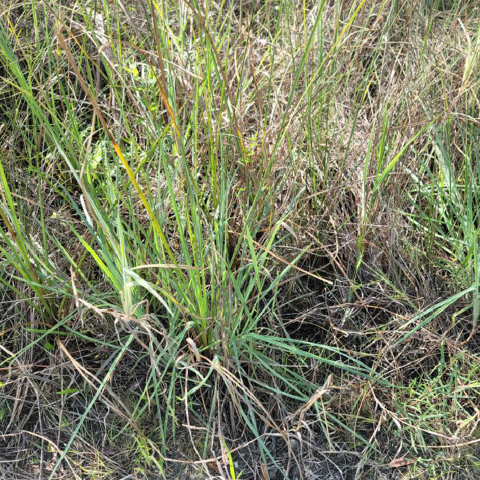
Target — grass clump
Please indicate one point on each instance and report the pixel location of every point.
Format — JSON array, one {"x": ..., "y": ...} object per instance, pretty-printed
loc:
[{"x": 240, "y": 237}]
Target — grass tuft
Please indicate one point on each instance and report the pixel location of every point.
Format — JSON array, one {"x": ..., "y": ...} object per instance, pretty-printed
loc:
[{"x": 239, "y": 239}]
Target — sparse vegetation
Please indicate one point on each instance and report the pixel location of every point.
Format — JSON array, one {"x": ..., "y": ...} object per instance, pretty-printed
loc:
[{"x": 239, "y": 239}]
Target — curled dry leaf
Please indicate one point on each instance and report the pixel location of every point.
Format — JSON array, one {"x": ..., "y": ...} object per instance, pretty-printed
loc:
[{"x": 400, "y": 462}]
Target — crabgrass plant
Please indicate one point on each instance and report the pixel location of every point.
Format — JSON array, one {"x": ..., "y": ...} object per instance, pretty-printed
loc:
[{"x": 200, "y": 207}]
